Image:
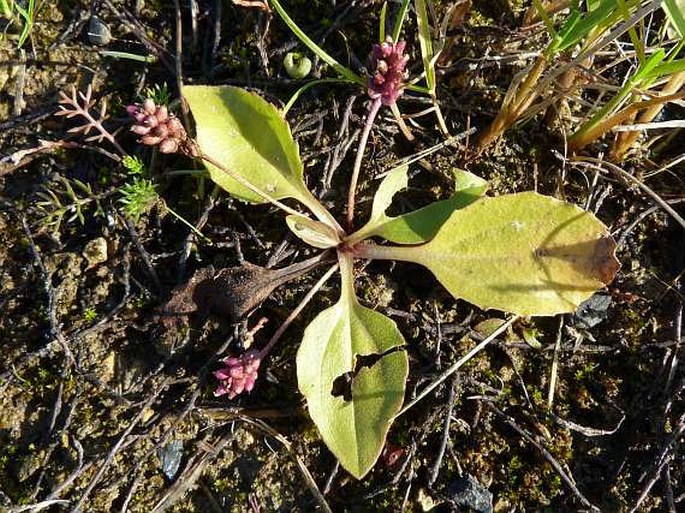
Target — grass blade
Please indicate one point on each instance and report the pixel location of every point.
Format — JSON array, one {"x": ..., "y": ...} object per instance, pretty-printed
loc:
[
  {"x": 426, "y": 44},
  {"x": 399, "y": 21},
  {"x": 381, "y": 28},
  {"x": 675, "y": 12}
]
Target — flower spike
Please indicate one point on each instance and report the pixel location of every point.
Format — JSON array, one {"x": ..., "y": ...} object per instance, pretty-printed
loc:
[
  {"x": 157, "y": 126},
  {"x": 238, "y": 375},
  {"x": 388, "y": 72}
]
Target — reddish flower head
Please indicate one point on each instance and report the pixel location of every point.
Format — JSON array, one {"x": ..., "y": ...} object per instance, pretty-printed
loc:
[
  {"x": 238, "y": 375},
  {"x": 157, "y": 127},
  {"x": 387, "y": 71}
]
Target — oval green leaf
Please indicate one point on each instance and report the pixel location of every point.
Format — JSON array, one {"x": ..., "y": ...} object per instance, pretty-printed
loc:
[
  {"x": 523, "y": 253},
  {"x": 314, "y": 233},
  {"x": 420, "y": 225},
  {"x": 249, "y": 136},
  {"x": 353, "y": 380}
]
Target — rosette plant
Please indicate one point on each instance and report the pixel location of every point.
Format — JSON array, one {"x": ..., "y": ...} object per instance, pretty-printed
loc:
[{"x": 523, "y": 253}]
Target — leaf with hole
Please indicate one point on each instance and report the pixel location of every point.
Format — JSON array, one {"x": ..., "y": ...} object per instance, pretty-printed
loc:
[{"x": 352, "y": 372}]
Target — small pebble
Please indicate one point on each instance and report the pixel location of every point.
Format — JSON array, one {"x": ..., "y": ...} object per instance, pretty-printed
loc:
[
  {"x": 170, "y": 456},
  {"x": 592, "y": 311},
  {"x": 95, "y": 251},
  {"x": 468, "y": 492},
  {"x": 98, "y": 32}
]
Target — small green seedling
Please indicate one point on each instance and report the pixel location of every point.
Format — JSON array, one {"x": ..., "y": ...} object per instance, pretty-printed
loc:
[
  {"x": 23, "y": 14},
  {"x": 523, "y": 253}
]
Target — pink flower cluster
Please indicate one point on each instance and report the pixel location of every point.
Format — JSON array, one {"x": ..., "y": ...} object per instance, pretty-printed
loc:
[
  {"x": 239, "y": 374},
  {"x": 387, "y": 71},
  {"x": 157, "y": 126}
]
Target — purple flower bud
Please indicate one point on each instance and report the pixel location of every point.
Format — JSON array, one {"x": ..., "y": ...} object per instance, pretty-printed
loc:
[
  {"x": 140, "y": 129},
  {"x": 161, "y": 131},
  {"x": 162, "y": 114},
  {"x": 151, "y": 140},
  {"x": 388, "y": 73},
  {"x": 149, "y": 106},
  {"x": 168, "y": 146},
  {"x": 158, "y": 127},
  {"x": 238, "y": 375}
]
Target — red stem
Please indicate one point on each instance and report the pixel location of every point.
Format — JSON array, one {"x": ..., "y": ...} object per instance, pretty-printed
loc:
[{"x": 370, "y": 117}]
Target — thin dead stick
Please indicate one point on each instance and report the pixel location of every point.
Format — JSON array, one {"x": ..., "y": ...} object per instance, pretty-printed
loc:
[
  {"x": 666, "y": 455},
  {"x": 451, "y": 141},
  {"x": 55, "y": 326},
  {"x": 178, "y": 60},
  {"x": 445, "y": 436},
  {"x": 555, "y": 365},
  {"x": 624, "y": 141},
  {"x": 457, "y": 365},
  {"x": 206, "y": 451},
  {"x": 293, "y": 315},
  {"x": 308, "y": 478},
  {"x": 584, "y": 137},
  {"x": 678, "y": 340},
  {"x": 38, "y": 506},
  {"x": 656, "y": 125},
  {"x": 548, "y": 456},
  {"x": 597, "y": 164},
  {"x": 110, "y": 457}
]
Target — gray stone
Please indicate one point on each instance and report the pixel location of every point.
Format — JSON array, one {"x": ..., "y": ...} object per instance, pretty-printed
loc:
[
  {"x": 98, "y": 32},
  {"x": 468, "y": 492}
]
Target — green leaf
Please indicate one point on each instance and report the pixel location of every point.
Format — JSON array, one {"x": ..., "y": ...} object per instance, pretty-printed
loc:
[
  {"x": 312, "y": 232},
  {"x": 350, "y": 341},
  {"x": 426, "y": 44},
  {"x": 247, "y": 135},
  {"x": 420, "y": 225},
  {"x": 666, "y": 69},
  {"x": 522, "y": 253},
  {"x": 394, "y": 182},
  {"x": 675, "y": 12}
]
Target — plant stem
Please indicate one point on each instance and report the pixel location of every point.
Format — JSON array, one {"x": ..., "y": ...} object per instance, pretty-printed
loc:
[
  {"x": 187, "y": 223},
  {"x": 346, "y": 262},
  {"x": 242, "y": 181},
  {"x": 400, "y": 122},
  {"x": 371, "y": 251},
  {"x": 293, "y": 315},
  {"x": 310, "y": 200},
  {"x": 370, "y": 117}
]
